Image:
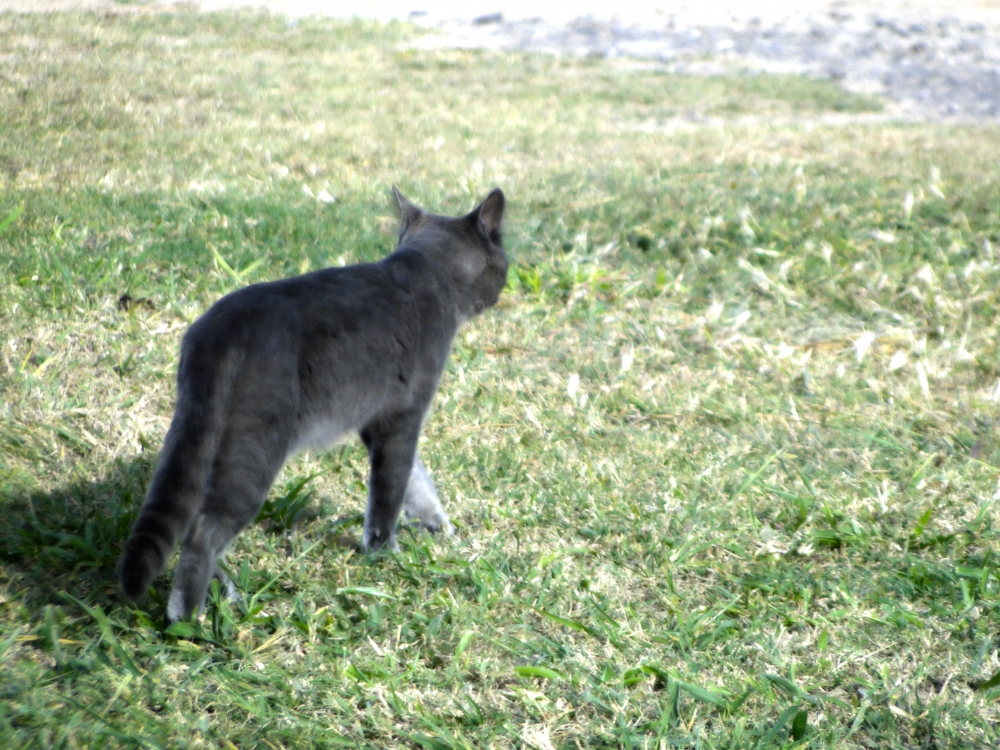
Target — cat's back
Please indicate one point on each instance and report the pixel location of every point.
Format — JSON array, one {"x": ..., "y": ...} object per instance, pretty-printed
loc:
[
  {"x": 361, "y": 321},
  {"x": 281, "y": 309}
]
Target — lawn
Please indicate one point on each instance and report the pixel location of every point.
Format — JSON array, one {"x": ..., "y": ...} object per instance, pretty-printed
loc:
[{"x": 723, "y": 461}]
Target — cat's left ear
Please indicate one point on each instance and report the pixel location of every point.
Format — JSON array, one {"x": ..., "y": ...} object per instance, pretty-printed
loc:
[
  {"x": 489, "y": 214},
  {"x": 408, "y": 212}
]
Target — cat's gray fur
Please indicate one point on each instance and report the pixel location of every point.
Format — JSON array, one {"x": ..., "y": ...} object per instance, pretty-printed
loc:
[{"x": 290, "y": 365}]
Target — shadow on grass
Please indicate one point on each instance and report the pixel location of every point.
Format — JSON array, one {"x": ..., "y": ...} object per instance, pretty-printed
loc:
[{"x": 69, "y": 540}]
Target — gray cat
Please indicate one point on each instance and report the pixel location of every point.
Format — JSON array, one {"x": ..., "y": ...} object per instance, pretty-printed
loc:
[{"x": 286, "y": 366}]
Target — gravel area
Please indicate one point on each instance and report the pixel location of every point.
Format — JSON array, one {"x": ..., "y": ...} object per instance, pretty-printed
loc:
[
  {"x": 931, "y": 68},
  {"x": 931, "y": 59}
]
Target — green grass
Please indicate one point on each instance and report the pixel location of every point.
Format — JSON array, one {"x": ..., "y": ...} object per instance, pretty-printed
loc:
[{"x": 690, "y": 513}]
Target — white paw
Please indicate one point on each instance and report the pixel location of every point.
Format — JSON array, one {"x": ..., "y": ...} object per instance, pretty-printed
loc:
[
  {"x": 421, "y": 503},
  {"x": 176, "y": 611}
]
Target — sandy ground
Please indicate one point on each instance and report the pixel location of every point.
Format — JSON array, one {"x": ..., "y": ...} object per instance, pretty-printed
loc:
[{"x": 931, "y": 59}]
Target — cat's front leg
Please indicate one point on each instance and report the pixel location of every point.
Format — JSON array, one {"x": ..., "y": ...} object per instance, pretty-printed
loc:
[
  {"x": 392, "y": 445},
  {"x": 421, "y": 502}
]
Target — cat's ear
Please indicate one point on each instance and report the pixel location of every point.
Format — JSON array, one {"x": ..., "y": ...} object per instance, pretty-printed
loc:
[
  {"x": 408, "y": 212},
  {"x": 489, "y": 214}
]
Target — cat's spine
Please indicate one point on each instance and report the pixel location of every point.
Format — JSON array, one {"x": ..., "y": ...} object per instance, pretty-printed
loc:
[{"x": 178, "y": 487}]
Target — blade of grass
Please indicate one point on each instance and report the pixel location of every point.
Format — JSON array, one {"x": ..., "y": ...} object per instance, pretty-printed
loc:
[
  {"x": 11, "y": 217},
  {"x": 573, "y": 624}
]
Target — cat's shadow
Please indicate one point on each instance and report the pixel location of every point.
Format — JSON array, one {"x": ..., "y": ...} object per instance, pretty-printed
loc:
[{"x": 70, "y": 539}]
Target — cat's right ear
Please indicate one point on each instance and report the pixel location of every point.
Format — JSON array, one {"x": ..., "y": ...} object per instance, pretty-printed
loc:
[
  {"x": 408, "y": 212},
  {"x": 490, "y": 213}
]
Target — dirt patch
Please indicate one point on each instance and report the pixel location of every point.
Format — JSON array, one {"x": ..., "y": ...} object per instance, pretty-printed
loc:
[
  {"x": 930, "y": 59},
  {"x": 931, "y": 63}
]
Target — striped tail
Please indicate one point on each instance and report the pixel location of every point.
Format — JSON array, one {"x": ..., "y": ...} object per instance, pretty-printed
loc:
[{"x": 178, "y": 487}]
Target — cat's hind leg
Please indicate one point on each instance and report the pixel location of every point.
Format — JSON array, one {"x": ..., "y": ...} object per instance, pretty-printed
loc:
[
  {"x": 421, "y": 502},
  {"x": 244, "y": 470}
]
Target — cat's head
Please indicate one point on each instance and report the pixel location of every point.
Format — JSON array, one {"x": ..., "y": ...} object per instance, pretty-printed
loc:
[{"x": 470, "y": 246}]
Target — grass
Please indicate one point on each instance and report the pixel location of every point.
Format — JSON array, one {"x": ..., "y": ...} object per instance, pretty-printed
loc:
[{"x": 723, "y": 461}]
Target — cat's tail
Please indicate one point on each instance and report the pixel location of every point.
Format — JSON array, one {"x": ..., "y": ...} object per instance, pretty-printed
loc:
[{"x": 178, "y": 487}]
